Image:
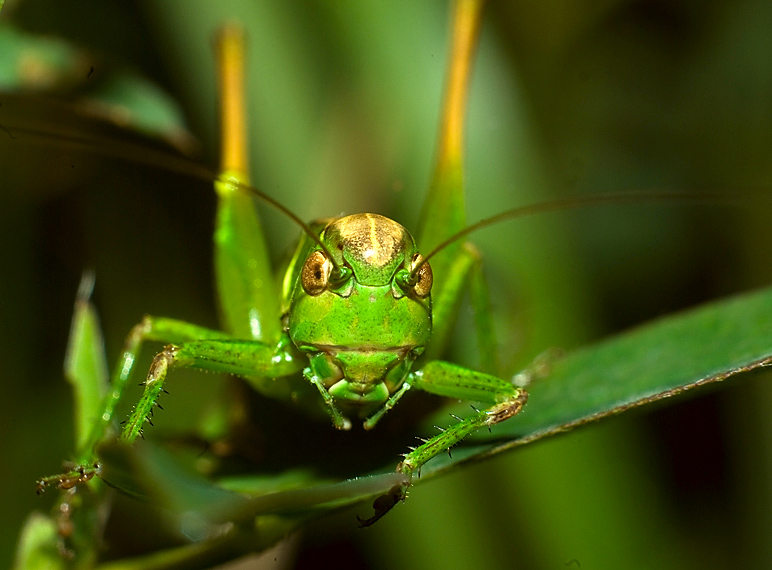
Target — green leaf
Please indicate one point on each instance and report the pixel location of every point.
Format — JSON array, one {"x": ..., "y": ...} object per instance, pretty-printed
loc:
[
  {"x": 265, "y": 509},
  {"x": 38, "y": 63},
  {"x": 37, "y": 546},
  {"x": 656, "y": 361},
  {"x": 41, "y": 64},
  {"x": 132, "y": 101},
  {"x": 238, "y": 498},
  {"x": 85, "y": 365}
]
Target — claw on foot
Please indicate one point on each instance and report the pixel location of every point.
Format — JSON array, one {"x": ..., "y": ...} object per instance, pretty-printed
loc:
[
  {"x": 385, "y": 503},
  {"x": 78, "y": 476}
]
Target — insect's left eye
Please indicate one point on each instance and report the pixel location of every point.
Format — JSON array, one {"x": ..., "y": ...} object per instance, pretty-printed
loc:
[
  {"x": 315, "y": 274},
  {"x": 424, "y": 277}
]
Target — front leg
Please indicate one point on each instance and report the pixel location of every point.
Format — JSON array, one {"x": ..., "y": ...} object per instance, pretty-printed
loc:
[
  {"x": 159, "y": 329},
  {"x": 454, "y": 381},
  {"x": 151, "y": 328},
  {"x": 233, "y": 356},
  {"x": 445, "y": 379}
]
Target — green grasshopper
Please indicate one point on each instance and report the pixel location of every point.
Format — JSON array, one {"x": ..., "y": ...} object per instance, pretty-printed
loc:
[{"x": 356, "y": 314}]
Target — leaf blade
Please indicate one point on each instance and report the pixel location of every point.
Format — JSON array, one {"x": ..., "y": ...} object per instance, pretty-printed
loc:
[
  {"x": 85, "y": 367},
  {"x": 655, "y": 361}
]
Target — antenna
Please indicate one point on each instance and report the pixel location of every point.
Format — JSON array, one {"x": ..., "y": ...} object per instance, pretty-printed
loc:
[
  {"x": 136, "y": 153},
  {"x": 632, "y": 197}
]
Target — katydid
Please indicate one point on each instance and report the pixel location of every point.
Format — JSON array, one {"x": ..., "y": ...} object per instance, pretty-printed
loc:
[
  {"x": 356, "y": 307},
  {"x": 357, "y": 316}
]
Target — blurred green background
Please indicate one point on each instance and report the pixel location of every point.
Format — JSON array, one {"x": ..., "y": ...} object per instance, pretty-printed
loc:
[{"x": 567, "y": 98}]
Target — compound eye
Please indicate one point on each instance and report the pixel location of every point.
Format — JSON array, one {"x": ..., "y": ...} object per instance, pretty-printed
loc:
[
  {"x": 424, "y": 277},
  {"x": 316, "y": 273}
]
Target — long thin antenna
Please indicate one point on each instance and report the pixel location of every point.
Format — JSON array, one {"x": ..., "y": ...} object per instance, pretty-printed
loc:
[
  {"x": 136, "y": 153},
  {"x": 632, "y": 197},
  {"x": 234, "y": 161}
]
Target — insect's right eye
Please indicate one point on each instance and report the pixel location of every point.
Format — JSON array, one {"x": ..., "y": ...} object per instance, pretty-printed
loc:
[
  {"x": 424, "y": 278},
  {"x": 316, "y": 273}
]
